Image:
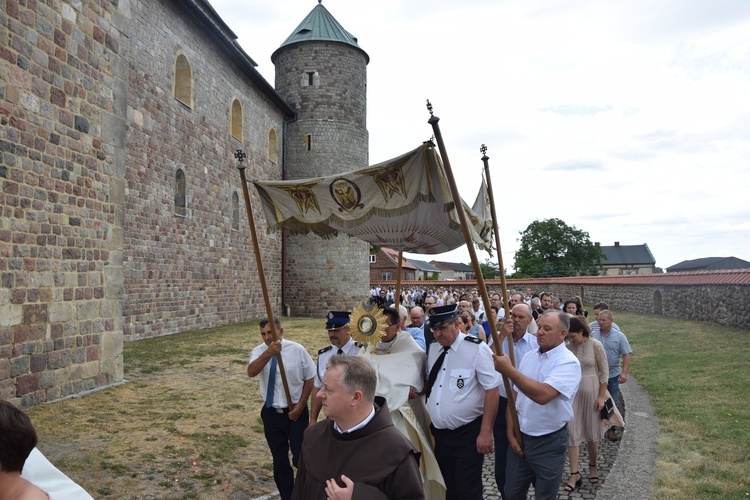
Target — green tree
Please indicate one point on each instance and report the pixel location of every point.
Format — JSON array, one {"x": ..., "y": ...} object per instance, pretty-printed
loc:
[
  {"x": 490, "y": 270},
  {"x": 551, "y": 248}
]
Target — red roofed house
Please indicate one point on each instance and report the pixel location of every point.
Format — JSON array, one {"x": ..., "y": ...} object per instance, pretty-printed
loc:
[{"x": 384, "y": 266}]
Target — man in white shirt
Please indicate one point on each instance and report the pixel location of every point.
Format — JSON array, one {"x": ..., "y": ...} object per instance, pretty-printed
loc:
[
  {"x": 523, "y": 343},
  {"x": 284, "y": 423},
  {"x": 462, "y": 401},
  {"x": 546, "y": 383}
]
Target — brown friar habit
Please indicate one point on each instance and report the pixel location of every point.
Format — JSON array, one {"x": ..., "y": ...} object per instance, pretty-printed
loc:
[{"x": 382, "y": 463}]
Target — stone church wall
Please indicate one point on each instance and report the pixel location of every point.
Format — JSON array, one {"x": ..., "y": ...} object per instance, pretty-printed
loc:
[
  {"x": 91, "y": 251},
  {"x": 191, "y": 272},
  {"x": 61, "y": 199},
  {"x": 333, "y": 273}
]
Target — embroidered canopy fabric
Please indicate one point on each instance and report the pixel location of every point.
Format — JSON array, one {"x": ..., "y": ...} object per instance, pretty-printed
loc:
[{"x": 404, "y": 204}]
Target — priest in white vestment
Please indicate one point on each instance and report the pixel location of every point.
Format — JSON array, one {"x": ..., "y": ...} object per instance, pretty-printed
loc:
[{"x": 400, "y": 364}]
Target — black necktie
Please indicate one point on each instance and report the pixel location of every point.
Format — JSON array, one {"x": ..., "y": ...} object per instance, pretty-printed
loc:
[
  {"x": 341, "y": 351},
  {"x": 435, "y": 369}
]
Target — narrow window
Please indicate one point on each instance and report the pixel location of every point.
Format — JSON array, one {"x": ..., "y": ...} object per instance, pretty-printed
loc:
[
  {"x": 183, "y": 81},
  {"x": 179, "y": 193},
  {"x": 310, "y": 79},
  {"x": 235, "y": 211},
  {"x": 236, "y": 120},
  {"x": 308, "y": 141},
  {"x": 273, "y": 154}
]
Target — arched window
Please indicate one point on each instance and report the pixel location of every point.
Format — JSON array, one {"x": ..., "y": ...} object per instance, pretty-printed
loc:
[
  {"x": 183, "y": 81},
  {"x": 273, "y": 146},
  {"x": 179, "y": 193},
  {"x": 658, "y": 303},
  {"x": 235, "y": 211},
  {"x": 236, "y": 120}
]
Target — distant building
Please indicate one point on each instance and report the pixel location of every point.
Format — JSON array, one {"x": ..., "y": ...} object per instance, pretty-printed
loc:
[
  {"x": 426, "y": 271},
  {"x": 454, "y": 271},
  {"x": 384, "y": 266},
  {"x": 709, "y": 264},
  {"x": 627, "y": 259}
]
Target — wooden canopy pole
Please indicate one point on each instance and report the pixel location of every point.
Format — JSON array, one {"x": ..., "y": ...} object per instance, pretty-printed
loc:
[
  {"x": 397, "y": 298},
  {"x": 240, "y": 156},
  {"x": 474, "y": 261},
  {"x": 503, "y": 282}
]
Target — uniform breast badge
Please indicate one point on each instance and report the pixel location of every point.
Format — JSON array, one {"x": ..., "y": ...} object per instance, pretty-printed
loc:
[{"x": 460, "y": 383}]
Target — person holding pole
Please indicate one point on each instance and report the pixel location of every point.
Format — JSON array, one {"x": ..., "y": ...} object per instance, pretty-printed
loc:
[
  {"x": 545, "y": 385},
  {"x": 516, "y": 327},
  {"x": 461, "y": 398},
  {"x": 284, "y": 422}
]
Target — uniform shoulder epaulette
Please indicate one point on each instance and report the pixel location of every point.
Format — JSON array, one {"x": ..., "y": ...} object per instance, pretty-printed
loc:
[
  {"x": 325, "y": 349},
  {"x": 473, "y": 340}
]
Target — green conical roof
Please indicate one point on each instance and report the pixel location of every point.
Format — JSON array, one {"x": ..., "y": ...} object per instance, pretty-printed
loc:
[{"x": 320, "y": 25}]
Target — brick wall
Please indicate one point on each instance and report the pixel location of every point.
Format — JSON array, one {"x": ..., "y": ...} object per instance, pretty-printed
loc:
[
  {"x": 91, "y": 252},
  {"x": 183, "y": 273},
  {"x": 60, "y": 235}
]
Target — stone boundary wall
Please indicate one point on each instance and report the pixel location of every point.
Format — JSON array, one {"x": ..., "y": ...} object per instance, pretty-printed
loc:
[{"x": 705, "y": 299}]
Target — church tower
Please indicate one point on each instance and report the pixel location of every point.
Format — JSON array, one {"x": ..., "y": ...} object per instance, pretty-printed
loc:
[{"x": 322, "y": 72}]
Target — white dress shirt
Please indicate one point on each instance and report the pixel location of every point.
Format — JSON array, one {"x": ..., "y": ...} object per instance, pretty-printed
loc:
[
  {"x": 526, "y": 344},
  {"x": 298, "y": 366},
  {"x": 560, "y": 369}
]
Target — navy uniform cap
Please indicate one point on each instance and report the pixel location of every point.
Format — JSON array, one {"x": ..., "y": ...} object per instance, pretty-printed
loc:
[
  {"x": 442, "y": 314},
  {"x": 337, "y": 319}
]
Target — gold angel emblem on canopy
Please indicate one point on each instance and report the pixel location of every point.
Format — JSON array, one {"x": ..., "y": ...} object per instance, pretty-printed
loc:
[
  {"x": 389, "y": 179},
  {"x": 303, "y": 196}
]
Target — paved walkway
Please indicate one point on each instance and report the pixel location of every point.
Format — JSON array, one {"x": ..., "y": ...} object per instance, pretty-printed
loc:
[{"x": 626, "y": 467}]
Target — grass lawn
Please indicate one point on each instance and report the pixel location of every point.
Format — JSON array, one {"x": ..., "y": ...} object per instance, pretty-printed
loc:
[
  {"x": 698, "y": 377},
  {"x": 186, "y": 425}
]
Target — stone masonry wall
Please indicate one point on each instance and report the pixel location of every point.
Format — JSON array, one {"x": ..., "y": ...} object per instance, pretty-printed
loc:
[
  {"x": 727, "y": 305},
  {"x": 60, "y": 198},
  {"x": 333, "y": 273},
  {"x": 724, "y": 304},
  {"x": 191, "y": 272}
]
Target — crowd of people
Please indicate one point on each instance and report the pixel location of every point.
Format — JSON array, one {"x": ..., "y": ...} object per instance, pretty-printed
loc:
[{"x": 413, "y": 414}]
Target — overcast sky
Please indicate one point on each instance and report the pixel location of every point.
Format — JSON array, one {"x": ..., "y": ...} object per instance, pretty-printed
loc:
[{"x": 629, "y": 119}]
